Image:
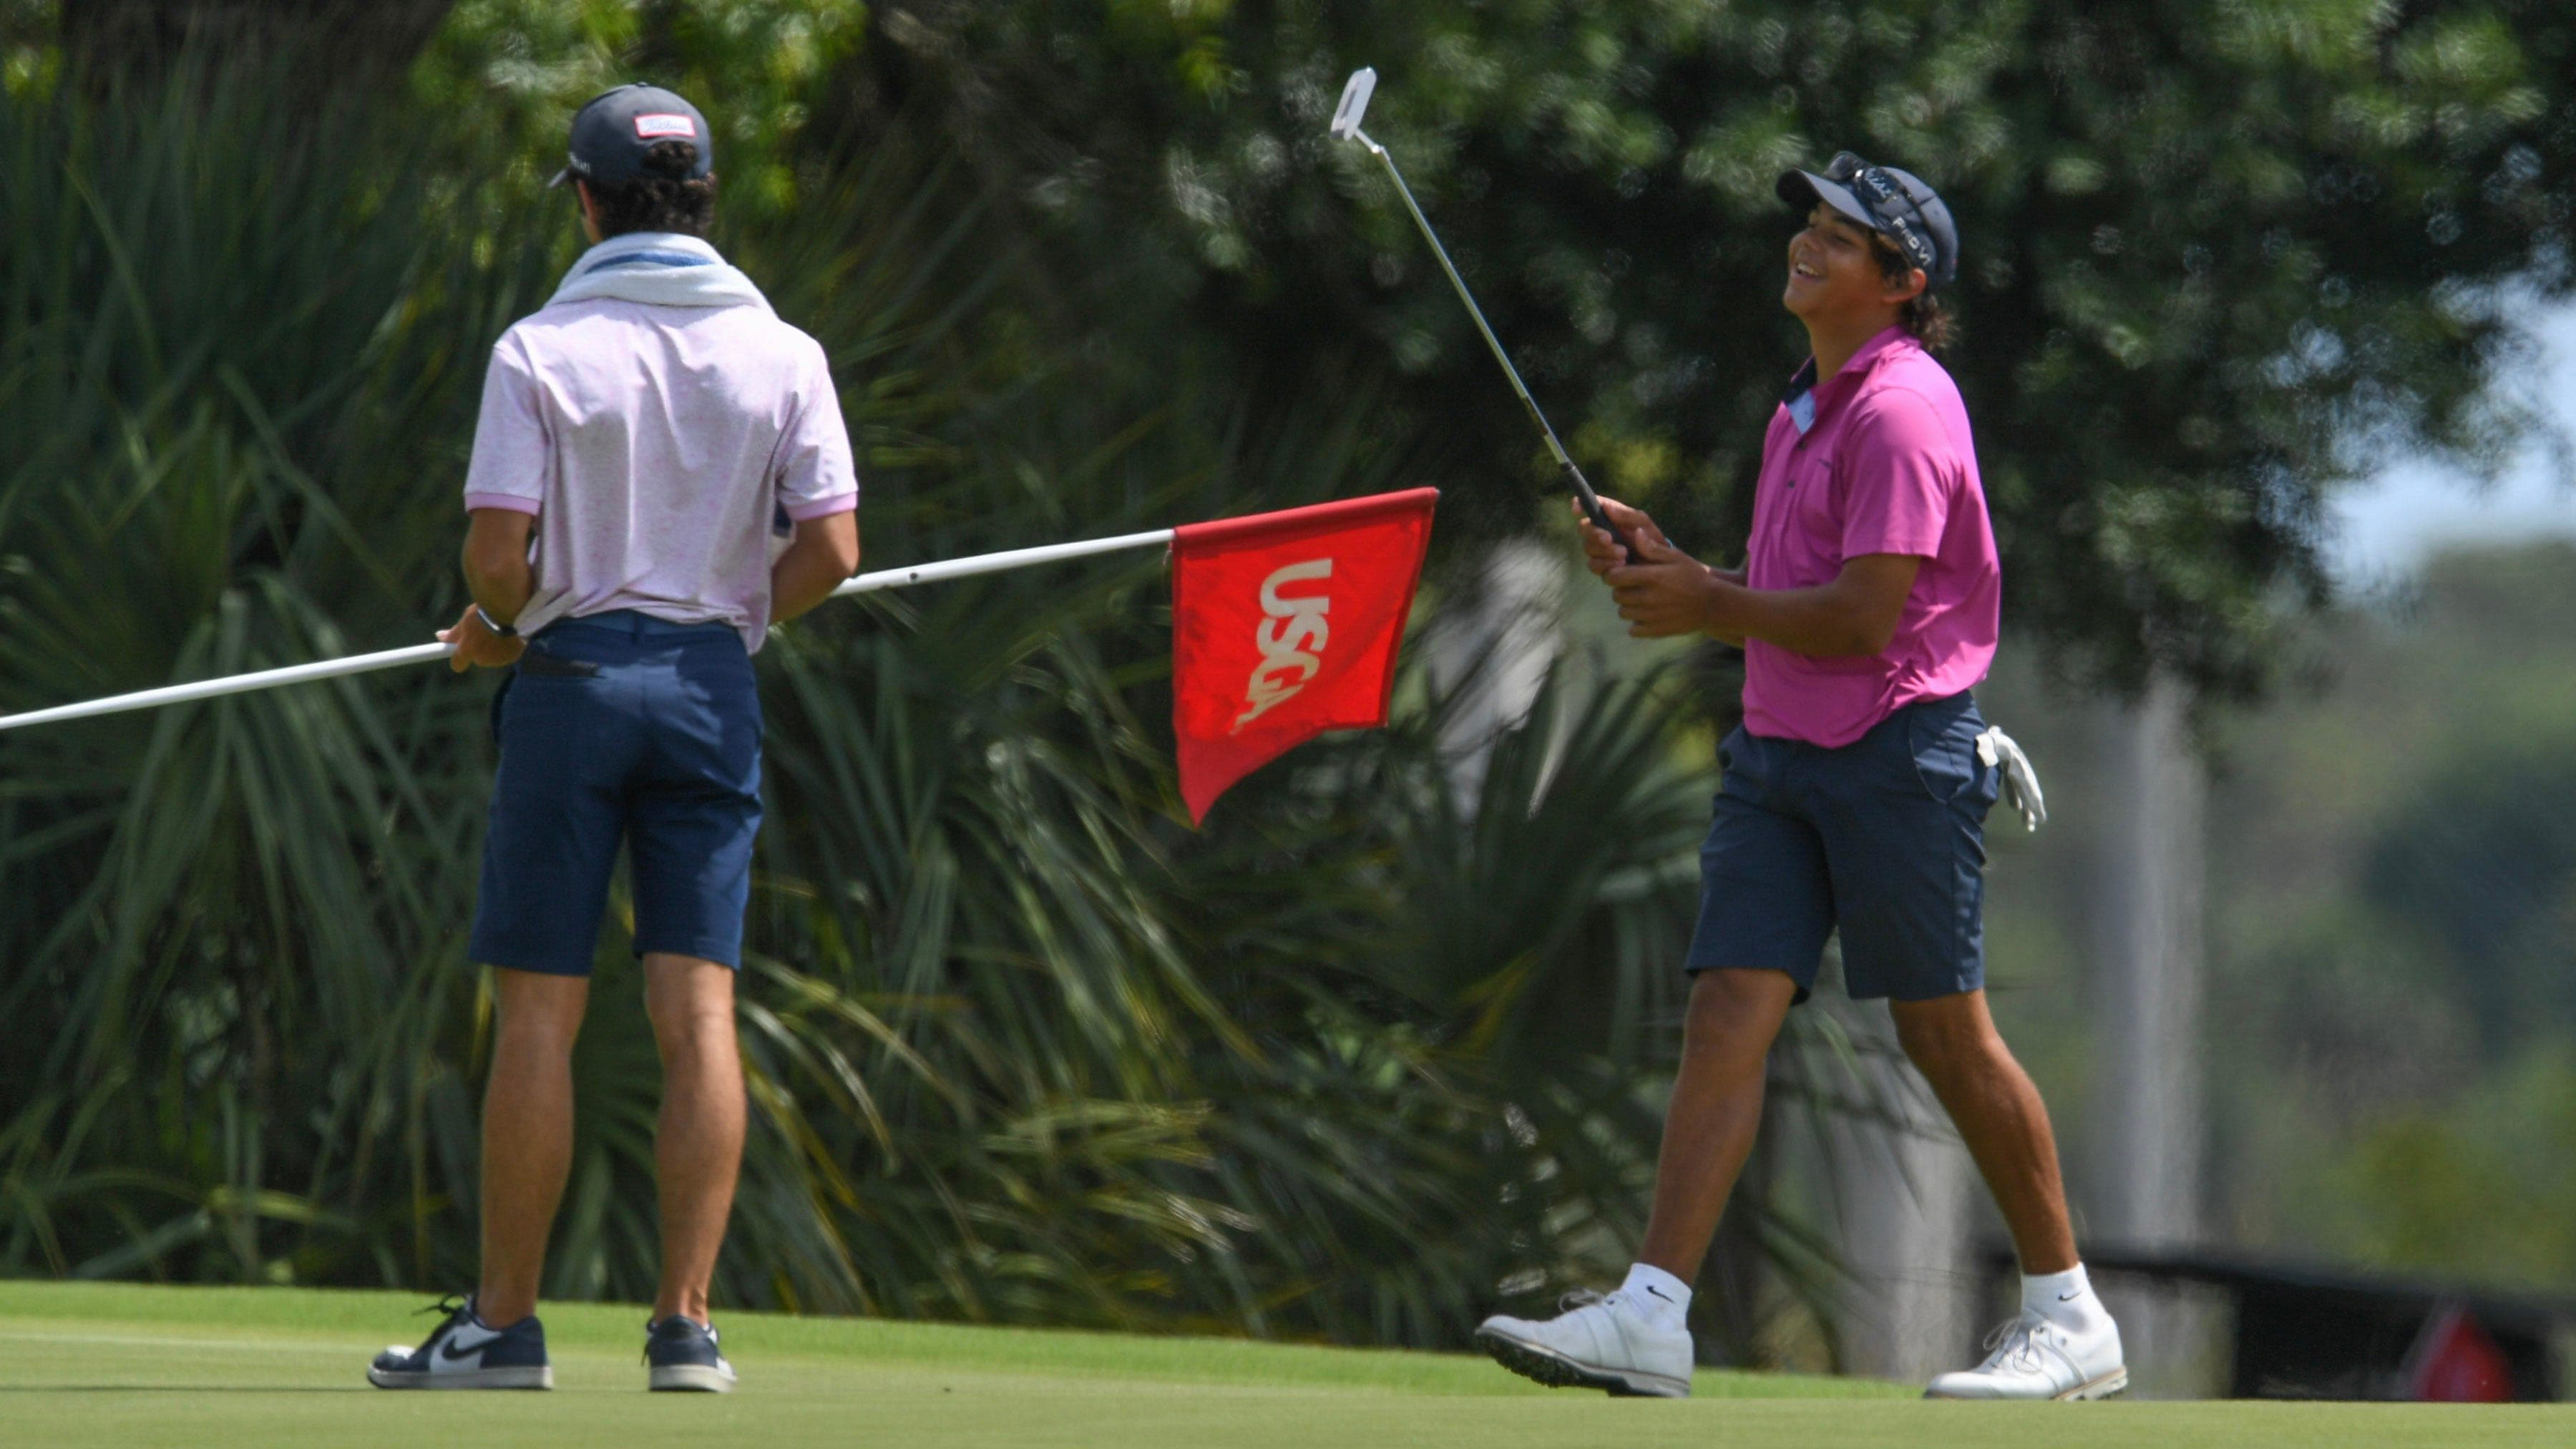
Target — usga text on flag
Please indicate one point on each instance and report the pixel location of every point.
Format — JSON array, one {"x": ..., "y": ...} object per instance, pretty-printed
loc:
[{"x": 1290, "y": 624}]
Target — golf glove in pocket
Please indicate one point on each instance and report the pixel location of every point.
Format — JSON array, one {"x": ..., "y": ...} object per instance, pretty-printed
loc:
[{"x": 2021, "y": 782}]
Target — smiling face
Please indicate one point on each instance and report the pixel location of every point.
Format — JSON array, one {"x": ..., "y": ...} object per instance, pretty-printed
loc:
[{"x": 1835, "y": 278}]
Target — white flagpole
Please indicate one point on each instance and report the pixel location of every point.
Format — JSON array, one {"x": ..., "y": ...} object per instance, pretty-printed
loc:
[
  {"x": 993, "y": 563},
  {"x": 423, "y": 653},
  {"x": 233, "y": 684}
]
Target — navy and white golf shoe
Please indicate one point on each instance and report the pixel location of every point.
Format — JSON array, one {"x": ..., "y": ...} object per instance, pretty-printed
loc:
[
  {"x": 464, "y": 1352},
  {"x": 683, "y": 1357}
]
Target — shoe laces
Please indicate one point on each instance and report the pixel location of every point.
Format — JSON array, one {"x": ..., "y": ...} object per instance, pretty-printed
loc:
[
  {"x": 448, "y": 1305},
  {"x": 2014, "y": 1344}
]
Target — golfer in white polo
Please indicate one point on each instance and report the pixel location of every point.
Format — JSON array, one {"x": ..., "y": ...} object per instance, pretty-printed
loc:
[{"x": 660, "y": 473}]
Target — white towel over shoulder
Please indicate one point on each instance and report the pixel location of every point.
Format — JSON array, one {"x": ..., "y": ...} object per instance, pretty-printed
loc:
[{"x": 659, "y": 269}]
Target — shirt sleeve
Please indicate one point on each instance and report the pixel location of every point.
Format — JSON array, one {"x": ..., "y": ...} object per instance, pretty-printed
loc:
[
  {"x": 817, "y": 476},
  {"x": 1903, "y": 468},
  {"x": 513, "y": 460}
]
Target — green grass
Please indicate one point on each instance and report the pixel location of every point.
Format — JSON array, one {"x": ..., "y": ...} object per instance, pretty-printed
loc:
[{"x": 213, "y": 1367}]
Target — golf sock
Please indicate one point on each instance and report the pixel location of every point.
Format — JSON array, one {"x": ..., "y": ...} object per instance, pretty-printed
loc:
[
  {"x": 2065, "y": 1299},
  {"x": 1659, "y": 1293}
]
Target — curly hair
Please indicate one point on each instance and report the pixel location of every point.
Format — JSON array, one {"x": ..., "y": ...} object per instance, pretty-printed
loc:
[
  {"x": 1922, "y": 315},
  {"x": 664, "y": 198}
]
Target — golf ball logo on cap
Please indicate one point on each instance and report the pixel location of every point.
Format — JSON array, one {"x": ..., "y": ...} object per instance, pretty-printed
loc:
[{"x": 656, "y": 127}]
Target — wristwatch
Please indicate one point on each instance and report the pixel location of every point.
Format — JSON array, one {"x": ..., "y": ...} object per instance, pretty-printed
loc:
[{"x": 506, "y": 631}]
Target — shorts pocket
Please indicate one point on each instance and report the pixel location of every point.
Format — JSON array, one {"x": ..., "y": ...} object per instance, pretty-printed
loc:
[
  {"x": 543, "y": 698},
  {"x": 538, "y": 664},
  {"x": 1944, "y": 751},
  {"x": 1741, "y": 766}
]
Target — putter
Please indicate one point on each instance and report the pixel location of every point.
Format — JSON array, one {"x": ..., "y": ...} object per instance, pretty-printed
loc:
[{"x": 1346, "y": 127}]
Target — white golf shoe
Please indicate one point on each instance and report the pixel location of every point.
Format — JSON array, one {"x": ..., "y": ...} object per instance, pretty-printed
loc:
[
  {"x": 2033, "y": 1358},
  {"x": 1600, "y": 1341}
]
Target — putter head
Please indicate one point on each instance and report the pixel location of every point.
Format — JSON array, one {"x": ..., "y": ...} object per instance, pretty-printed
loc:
[{"x": 1355, "y": 99}]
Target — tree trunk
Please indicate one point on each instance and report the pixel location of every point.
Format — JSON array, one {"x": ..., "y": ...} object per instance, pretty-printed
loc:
[
  {"x": 2150, "y": 1125},
  {"x": 2149, "y": 1144}
]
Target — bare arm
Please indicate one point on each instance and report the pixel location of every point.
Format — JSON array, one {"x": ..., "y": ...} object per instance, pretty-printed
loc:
[
  {"x": 1668, "y": 592},
  {"x": 1717, "y": 632},
  {"x": 1855, "y": 614},
  {"x": 498, "y": 578},
  {"x": 496, "y": 560},
  {"x": 824, "y": 555}
]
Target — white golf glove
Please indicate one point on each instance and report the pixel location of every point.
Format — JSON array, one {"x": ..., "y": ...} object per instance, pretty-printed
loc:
[{"x": 2021, "y": 782}]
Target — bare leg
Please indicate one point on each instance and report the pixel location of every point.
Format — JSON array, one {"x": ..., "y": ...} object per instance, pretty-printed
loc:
[
  {"x": 527, "y": 1135},
  {"x": 697, "y": 1147},
  {"x": 1953, "y": 1042},
  {"x": 1715, "y": 1109}
]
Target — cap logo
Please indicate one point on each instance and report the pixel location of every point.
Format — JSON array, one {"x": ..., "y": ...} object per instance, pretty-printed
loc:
[
  {"x": 651, "y": 128},
  {"x": 1884, "y": 197}
]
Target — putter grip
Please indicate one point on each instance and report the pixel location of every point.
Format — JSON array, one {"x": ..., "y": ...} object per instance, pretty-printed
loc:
[{"x": 1600, "y": 516}]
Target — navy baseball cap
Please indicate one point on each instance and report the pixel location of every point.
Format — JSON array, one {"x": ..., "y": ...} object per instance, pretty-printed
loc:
[
  {"x": 613, "y": 130},
  {"x": 1895, "y": 204}
]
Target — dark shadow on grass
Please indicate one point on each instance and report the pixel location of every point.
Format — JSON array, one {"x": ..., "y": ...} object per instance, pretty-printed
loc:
[{"x": 187, "y": 1389}]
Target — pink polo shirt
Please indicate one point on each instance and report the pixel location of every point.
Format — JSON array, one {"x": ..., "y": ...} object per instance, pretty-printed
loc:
[{"x": 1885, "y": 465}]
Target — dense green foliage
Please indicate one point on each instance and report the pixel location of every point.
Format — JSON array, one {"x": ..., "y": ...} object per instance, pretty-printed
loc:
[
  {"x": 1023, "y": 1047},
  {"x": 2219, "y": 257},
  {"x": 1367, "y": 1052}
]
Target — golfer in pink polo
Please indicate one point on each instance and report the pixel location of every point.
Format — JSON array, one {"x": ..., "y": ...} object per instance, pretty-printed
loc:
[{"x": 1854, "y": 795}]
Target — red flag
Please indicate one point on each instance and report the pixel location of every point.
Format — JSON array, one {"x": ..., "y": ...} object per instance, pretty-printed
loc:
[
  {"x": 2456, "y": 1361},
  {"x": 1285, "y": 625}
]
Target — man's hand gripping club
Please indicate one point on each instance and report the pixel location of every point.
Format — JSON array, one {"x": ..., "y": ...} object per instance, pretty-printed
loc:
[
  {"x": 1665, "y": 592},
  {"x": 1662, "y": 593}
]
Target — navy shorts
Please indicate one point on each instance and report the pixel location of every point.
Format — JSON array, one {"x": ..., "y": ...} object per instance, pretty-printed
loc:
[
  {"x": 620, "y": 728},
  {"x": 1884, "y": 838}
]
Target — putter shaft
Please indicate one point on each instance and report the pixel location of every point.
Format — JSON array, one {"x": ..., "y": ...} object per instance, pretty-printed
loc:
[{"x": 1583, "y": 493}]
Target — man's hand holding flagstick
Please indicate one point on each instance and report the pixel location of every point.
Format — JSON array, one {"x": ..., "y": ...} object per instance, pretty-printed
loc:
[
  {"x": 1284, "y": 625},
  {"x": 475, "y": 645}
]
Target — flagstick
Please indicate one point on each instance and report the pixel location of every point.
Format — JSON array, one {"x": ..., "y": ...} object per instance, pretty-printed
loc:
[
  {"x": 988, "y": 563},
  {"x": 234, "y": 684}
]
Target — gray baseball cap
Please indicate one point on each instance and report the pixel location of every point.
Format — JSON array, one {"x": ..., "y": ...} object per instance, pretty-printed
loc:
[
  {"x": 614, "y": 129},
  {"x": 1896, "y": 204}
]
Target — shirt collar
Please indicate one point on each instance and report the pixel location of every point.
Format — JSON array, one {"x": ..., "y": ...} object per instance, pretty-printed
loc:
[
  {"x": 667, "y": 248},
  {"x": 1804, "y": 399}
]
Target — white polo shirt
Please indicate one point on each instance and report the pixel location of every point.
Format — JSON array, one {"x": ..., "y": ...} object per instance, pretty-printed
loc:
[{"x": 665, "y": 451}]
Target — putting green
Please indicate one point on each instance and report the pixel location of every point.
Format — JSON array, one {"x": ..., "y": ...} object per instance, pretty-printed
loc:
[{"x": 210, "y": 1368}]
